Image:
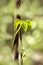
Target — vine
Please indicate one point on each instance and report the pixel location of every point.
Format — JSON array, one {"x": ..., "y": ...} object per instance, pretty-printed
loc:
[{"x": 24, "y": 24}]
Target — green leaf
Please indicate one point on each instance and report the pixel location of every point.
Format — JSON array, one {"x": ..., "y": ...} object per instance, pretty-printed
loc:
[
  {"x": 29, "y": 22},
  {"x": 16, "y": 23},
  {"x": 25, "y": 26}
]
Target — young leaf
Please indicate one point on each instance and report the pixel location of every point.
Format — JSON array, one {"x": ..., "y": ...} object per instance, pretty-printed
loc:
[
  {"x": 25, "y": 26},
  {"x": 29, "y": 22},
  {"x": 16, "y": 23}
]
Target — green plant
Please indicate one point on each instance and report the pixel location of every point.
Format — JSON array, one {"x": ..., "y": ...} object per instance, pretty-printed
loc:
[{"x": 24, "y": 24}]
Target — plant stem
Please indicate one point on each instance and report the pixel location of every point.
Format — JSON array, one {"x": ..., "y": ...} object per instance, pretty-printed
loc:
[{"x": 17, "y": 31}]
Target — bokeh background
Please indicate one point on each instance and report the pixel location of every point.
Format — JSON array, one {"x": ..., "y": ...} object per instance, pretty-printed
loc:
[{"x": 32, "y": 40}]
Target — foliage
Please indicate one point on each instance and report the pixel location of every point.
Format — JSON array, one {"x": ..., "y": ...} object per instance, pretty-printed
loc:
[{"x": 22, "y": 24}]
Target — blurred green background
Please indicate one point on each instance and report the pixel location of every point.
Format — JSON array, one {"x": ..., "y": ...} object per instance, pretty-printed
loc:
[{"x": 32, "y": 41}]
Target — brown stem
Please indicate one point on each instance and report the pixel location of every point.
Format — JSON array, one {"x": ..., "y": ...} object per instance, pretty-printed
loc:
[{"x": 16, "y": 43}]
